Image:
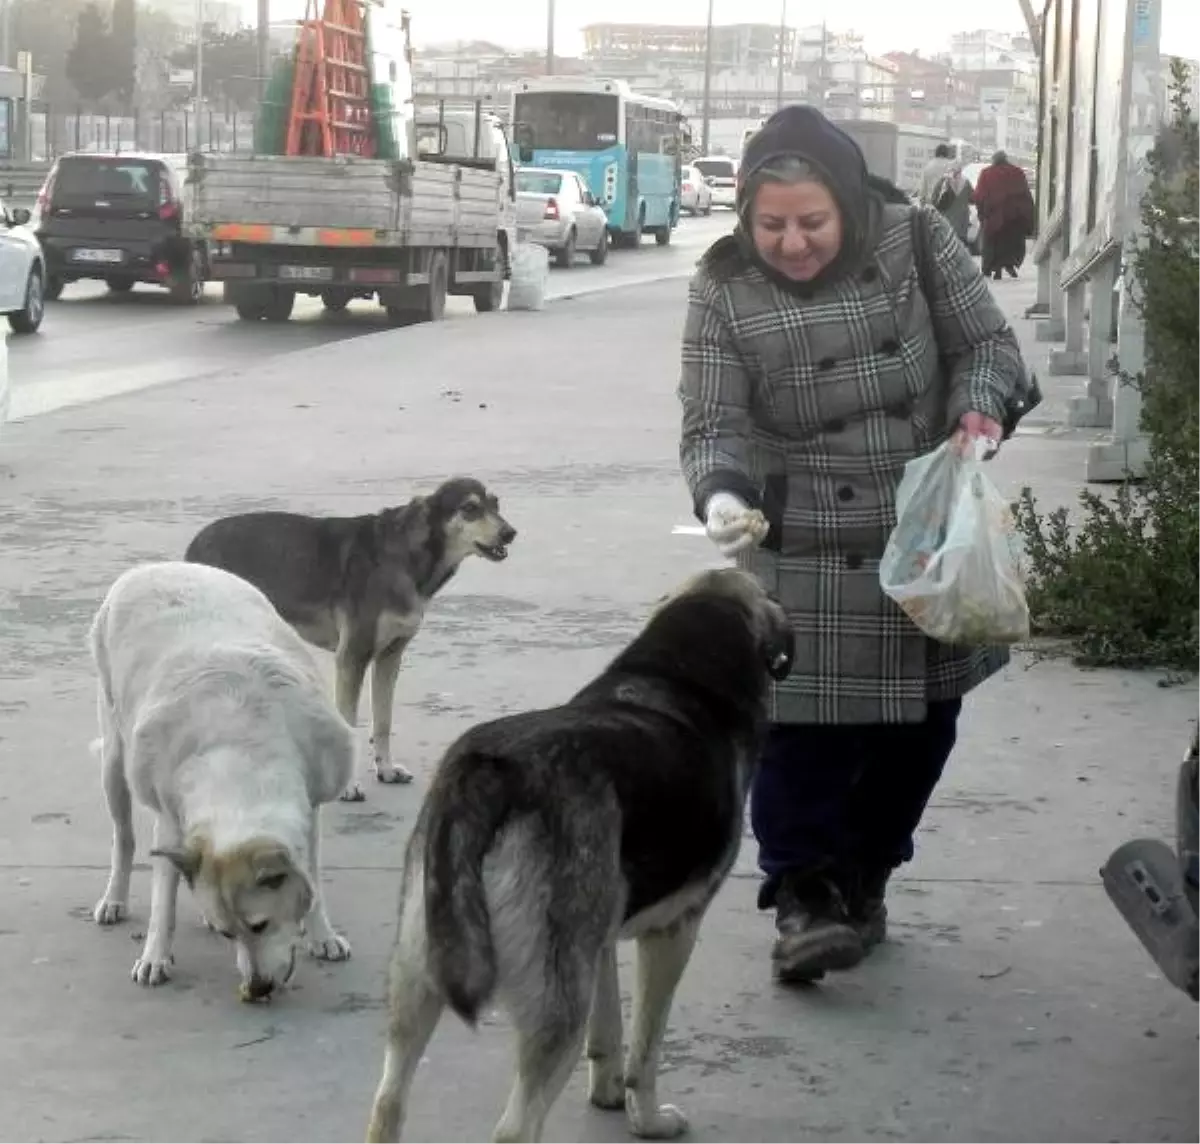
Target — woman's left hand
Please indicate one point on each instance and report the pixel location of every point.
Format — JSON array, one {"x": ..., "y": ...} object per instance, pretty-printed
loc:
[{"x": 973, "y": 426}]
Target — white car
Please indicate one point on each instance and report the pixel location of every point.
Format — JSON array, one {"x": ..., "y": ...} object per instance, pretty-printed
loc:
[
  {"x": 720, "y": 173},
  {"x": 695, "y": 195},
  {"x": 556, "y": 210},
  {"x": 22, "y": 272}
]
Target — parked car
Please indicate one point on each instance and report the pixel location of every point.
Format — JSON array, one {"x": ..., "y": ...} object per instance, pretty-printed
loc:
[
  {"x": 556, "y": 210},
  {"x": 695, "y": 195},
  {"x": 720, "y": 173},
  {"x": 119, "y": 219},
  {"x": 22, "y": 272}
]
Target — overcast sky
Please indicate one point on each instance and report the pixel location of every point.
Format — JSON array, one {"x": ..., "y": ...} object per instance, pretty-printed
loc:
[
  {"x": 886, "y": 25},
  {"x": 522, "y": 23}
]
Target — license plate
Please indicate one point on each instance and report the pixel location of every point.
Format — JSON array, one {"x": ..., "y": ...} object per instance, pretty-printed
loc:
[
  {"x": 307, "y": 273},
  {"x": 85, "y": 255}
]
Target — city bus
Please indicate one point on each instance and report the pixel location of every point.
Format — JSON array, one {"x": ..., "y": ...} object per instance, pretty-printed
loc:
[{"x": 626, "y": 147}]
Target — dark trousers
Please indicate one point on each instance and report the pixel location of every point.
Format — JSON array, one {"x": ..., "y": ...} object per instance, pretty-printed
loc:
[{"x": 845, "y": 798}]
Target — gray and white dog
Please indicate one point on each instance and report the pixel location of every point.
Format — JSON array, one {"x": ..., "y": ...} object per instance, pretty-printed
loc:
[
  {"x": 215, "y": 717},
  {"x": 547, "y": 836},
  {"x": 358, "y": 586}
]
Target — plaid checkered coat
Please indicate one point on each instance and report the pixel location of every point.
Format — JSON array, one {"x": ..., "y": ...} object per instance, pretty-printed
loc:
[{"x": 810, "y": 407}]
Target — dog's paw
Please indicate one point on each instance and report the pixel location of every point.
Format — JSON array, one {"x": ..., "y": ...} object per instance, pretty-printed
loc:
[
  {"x": 392, "y": 773},
  {"x": 109, "y": 912},
  {"x": 663, "y": 1123},
  {"x": 153, "y": 970},
  {"x": 606, "y": 1085},
  {"x": 353, "y": 793},
  {"x": 331, "y": 948}
]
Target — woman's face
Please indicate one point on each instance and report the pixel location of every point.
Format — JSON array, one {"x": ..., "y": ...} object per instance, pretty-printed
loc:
[{"x": 796, "y": 228}]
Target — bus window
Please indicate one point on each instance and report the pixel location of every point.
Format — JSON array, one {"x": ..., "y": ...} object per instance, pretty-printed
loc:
[{"x": 568, "y": 120}]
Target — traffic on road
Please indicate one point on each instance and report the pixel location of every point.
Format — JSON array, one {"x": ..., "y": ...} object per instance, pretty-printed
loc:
[{"x": 96, "y": 343}]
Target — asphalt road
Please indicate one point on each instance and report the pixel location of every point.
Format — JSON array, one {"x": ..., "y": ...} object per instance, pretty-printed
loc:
[
  {"x": 1011, "y": 1004},
  {"x": 94, "y": 344}
]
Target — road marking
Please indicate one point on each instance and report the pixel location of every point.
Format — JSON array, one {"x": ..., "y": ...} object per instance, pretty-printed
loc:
[{"x": 35, "y": 398}]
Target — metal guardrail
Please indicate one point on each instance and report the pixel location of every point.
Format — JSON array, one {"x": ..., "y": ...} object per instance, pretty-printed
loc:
[{"x": 20, "y": 183}]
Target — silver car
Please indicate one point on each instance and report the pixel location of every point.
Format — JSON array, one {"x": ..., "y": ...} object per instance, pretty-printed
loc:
[{"x": 556, "y": 210}]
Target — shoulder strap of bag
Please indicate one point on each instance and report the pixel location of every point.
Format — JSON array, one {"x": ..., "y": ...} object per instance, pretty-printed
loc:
[{"x": 1028, "y": 393}]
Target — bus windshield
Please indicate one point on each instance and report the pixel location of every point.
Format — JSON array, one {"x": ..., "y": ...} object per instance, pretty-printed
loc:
[{"x": 568, "y": 120}]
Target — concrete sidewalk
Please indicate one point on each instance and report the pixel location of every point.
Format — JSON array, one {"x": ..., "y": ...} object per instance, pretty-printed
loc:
[{"x": 1012, "y": 1004}]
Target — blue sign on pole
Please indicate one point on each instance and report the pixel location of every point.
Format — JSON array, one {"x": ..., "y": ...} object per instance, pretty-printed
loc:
[
  {"x": 6, "y": 115},
  {"x": 1142, "y": 23}
]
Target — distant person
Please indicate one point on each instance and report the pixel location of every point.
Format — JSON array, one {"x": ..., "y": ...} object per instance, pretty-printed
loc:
[
  {"x": 952, "y": 197},
  {"x": 935, "y": 169},
  {"x": 1006, "y": 215}
]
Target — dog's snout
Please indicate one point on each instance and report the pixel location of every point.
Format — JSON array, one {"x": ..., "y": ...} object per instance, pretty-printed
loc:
[
  {"x": 260, "y": 988},
  {"x": 508, "y": 534}
]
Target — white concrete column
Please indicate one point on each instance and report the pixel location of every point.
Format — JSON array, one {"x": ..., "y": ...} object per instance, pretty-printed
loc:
[
  {"x": 1072, "y": 360},
  {"x": 1094, "y": 407},
  {"x": 1054, "y": 327},
  {"x": 1123, "y": 454}
]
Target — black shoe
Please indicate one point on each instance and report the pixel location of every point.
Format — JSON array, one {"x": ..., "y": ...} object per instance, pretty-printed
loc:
[
  {"x": 1012, "y": 271},
  {"x": 997, "y": 275},
  {"x": 864, "y": 892},
  {"x": 815, "y": 933}
]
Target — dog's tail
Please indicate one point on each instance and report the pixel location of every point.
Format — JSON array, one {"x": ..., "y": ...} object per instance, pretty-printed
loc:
[{"x": 470, "y": 804}]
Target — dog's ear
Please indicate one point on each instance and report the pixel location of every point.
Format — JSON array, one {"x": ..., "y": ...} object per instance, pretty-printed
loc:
[
  {"x": 271, "y": 867},
  {"x": 186, "y": 861}
]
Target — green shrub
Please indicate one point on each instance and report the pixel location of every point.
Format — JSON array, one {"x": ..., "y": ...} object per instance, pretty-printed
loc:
[{"x": 1121, "y": 585}]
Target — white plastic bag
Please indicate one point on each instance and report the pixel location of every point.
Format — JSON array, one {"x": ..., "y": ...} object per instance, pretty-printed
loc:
[
  {"x": 530, "y": 277},
  {"x": 954, "y": 561}
]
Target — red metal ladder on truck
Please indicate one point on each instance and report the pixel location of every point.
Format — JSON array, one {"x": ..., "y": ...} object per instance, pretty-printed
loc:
[{"x": 331, "y": 91}]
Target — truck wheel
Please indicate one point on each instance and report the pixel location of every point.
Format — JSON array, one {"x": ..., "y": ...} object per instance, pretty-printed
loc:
[
  {"x": 398, "y": 316},
  {"x": 488, "y": 297},
  {"x": 187, "y": 287},
  {"x": 279, "y": 306},
  {"x": 663, "y": 235},
  {"x": 434, "y": 309},
  {"x": 335, "y": 301}
]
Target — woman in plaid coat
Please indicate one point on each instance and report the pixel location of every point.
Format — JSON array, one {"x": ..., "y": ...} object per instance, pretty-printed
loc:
[{"x": 836, "y": 335}]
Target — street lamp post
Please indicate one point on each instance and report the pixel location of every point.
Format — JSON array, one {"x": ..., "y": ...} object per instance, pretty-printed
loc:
[
  {"x": 549, "y": 37},
  {"x": 704, "y": 110},
  {"x": 199, "y": 77},
  {"x": 263, "y": 43},
  {"x": 782, "y": 41}
]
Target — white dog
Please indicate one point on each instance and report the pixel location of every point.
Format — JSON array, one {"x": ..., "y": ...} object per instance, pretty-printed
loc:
[{"x": 213, "y": 713}]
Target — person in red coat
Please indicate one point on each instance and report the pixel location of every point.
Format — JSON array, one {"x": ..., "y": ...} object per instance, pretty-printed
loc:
[{"x": 1006, "y": 215}]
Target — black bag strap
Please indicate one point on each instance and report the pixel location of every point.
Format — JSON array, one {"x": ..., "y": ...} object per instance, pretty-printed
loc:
[{"x": 1028, "y": 394}]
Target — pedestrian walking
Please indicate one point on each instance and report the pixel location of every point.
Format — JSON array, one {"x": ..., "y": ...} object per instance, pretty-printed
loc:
[
  {"x": 815, "y": 364},
  {"x": 934, "y": 171},
  {"x": 1006, "y": 215},
  {"x": 952, "y": 196}
]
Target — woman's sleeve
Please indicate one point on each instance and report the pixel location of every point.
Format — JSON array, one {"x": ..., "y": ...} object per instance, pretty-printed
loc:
[
  {"x": 972, "y": 332},
  {"x": 715, "y": 392}
]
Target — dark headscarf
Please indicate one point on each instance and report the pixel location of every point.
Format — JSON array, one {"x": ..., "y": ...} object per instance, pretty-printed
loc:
[{"x": 802, "y": 132}]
